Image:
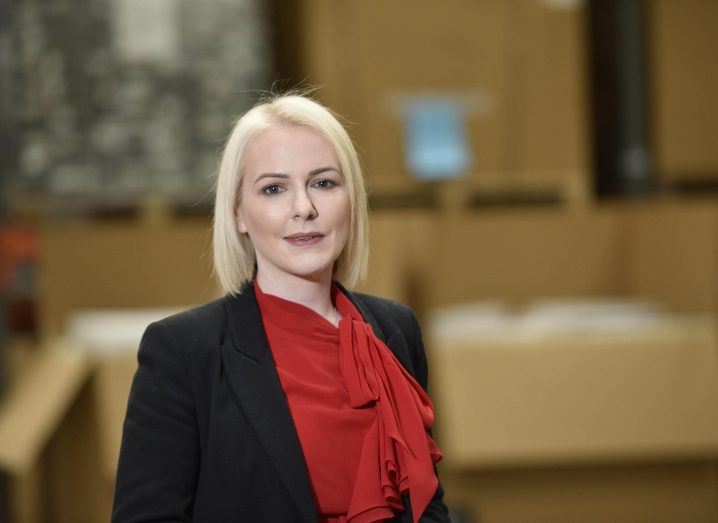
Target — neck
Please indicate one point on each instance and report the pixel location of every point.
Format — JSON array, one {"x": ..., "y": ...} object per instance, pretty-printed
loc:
[{"x": 314, "y": 293}]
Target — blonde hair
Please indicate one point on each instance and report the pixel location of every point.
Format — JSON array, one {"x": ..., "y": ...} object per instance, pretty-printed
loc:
[{"x": 234, "y": 256}]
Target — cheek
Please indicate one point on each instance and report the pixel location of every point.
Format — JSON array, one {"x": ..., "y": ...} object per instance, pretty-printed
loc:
[
  {"x": 261, "y": 218},
  {"x": 246, "y": 218}
]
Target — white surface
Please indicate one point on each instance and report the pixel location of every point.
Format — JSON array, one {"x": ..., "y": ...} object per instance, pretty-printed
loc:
[
  {"x": 552, "y": 319},
  {"x": 147, "y": 31},
  {"x": 105, "y": 331}
]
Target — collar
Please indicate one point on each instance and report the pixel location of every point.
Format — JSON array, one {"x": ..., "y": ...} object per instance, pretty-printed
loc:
[{"x": 245, "y": 321}]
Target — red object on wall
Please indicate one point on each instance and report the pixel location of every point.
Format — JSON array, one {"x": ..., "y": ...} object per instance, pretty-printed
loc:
[{"x": 19, "y": 251}]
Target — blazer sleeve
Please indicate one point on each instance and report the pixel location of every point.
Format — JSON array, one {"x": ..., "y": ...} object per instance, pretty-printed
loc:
[
  {"x": 436, "y": 511},
  {"x": 159, "y": 456}
]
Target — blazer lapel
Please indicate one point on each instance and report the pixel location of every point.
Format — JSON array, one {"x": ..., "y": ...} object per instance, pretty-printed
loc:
[{"x": 253, "y": 378}]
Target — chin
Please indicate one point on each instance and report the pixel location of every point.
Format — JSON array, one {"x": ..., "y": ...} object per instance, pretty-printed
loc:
[{"x": 311, "y": 271}]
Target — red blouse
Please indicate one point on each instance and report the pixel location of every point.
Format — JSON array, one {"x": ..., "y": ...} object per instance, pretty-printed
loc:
[{"x": 361, "y": 418}]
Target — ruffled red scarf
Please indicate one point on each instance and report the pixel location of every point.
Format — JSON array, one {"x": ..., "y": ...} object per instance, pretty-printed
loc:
[
  {"x": 398, "y": 436},
  {"x": 397, "y": 454}
]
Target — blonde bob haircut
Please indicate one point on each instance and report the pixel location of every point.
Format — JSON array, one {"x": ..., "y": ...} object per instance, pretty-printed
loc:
[{"x": 234, "y": 256}]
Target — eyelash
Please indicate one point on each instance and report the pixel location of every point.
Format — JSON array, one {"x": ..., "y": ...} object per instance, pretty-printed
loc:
[{"x": 266, "y": 190}]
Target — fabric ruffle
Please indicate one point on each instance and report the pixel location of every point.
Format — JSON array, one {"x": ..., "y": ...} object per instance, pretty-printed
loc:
[{"x": 398, "y": 455}]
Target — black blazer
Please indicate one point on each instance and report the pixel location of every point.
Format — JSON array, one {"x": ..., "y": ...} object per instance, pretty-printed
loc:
[{"x": 208, "y": 435}]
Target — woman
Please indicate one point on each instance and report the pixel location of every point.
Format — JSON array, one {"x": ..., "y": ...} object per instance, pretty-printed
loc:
[{"x": 291, "y": 398}]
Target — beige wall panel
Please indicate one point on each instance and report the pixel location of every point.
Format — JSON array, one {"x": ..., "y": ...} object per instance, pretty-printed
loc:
[
  {"x": 649, "y": 395},
  {"x": 674, "y": 492},
  {"x": 459, "y": 47},
  {"x": 672, "y": 253},
  {"x": 684, "y": 74},
  {"x": 664, "y": 251},
  {"x": 520, "y": 65},
  {"x": 77, "y": 491},
  {"x": 36, "y": 404},
  {"x": 122, "y": 265},
  {"x": 402, "y": 244},
  {"x": 546, "y": 110},
  {"x": 519, "y": 256}
]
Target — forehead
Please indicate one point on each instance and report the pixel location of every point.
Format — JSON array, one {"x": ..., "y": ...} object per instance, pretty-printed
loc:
[{"x": 289, "y": 149}]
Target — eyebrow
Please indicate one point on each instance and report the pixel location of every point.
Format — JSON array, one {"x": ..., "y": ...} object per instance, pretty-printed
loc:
[{"x": 313, "y": 172}]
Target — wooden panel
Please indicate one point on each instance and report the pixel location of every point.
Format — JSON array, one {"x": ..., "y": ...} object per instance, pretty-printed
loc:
[
  {"x": 76, "y": 489},
  {"x": 673, "y": 492},
  {"x": 672, "y": 254},
  {"x": 35, "y": 406},
  {"x": 123, "y": 265},
  {"x": 684, "y": 73},
  {"x": 578, "y": 399},
  {"x": 400, "y": 253},
  {"x": 520, "y": 65},
  {"x": 519, "y": 256},
  {"x": 546, "y": 141}
]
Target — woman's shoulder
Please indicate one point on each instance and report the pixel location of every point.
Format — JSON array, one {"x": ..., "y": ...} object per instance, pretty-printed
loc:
[
  {"x": 388, "y": 311},
  {"x": 201, "y": 325},
  {"x": 386, "y": 305}
]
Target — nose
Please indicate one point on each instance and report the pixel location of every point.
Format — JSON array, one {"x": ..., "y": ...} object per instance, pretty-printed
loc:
[{"x": 303, "y": 205}]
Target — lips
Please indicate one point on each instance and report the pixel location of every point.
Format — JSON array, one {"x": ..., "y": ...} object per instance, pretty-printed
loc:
[
  {"x": 303, "y": 236},
  {"x": 304, "y": 239}
]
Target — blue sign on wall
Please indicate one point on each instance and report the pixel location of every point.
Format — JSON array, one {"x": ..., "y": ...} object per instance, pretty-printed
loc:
[{"x": 435, "y": 139}]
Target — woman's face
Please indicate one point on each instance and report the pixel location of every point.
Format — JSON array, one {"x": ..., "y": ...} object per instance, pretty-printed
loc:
[{"x": 294, "y": 204}]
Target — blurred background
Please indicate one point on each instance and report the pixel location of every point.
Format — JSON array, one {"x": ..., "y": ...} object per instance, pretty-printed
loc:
[{"x": 543, "y": 183}]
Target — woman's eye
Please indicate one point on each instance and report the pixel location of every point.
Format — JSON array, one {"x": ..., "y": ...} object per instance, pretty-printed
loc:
[
  {"x": 325, "y": 184},
  {"x": 272, "y": 189}
]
